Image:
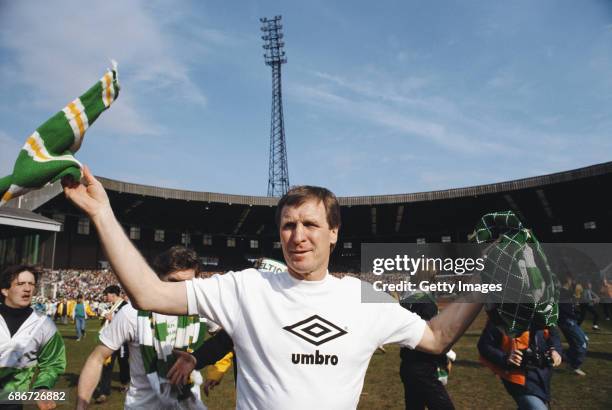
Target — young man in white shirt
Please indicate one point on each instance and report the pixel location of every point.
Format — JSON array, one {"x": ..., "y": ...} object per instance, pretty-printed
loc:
[
  {"x": 176, "y": 264},
  {"x": 303, "y": 338}
]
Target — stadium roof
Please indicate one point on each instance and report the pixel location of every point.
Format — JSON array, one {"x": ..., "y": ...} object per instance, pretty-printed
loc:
[
  {"x": 35, "y": 199},
  {"x": 570, "y": 206},
  {"x": 23, "y": 218},
  {"x": 168, "y": 193}
]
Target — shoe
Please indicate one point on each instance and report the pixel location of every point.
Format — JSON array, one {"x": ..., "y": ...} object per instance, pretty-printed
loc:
[
  {"x": 595, "y": 327},
  {"x": 125, "y": 388},
  {"x": 607, "y": 318},
  {"x": 579, "y": 372},
  {"x": 101, "y": 399},
  {"x": 78, "y": 339}
]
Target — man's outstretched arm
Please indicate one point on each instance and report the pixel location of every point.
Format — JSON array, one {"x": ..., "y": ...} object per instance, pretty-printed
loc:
[
  {"x": 447, "y": 327},
  {"x": 142, "y": 285}
]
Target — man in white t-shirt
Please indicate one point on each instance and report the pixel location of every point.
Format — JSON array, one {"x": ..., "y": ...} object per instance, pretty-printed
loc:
[{"x": 303, "y": 338}]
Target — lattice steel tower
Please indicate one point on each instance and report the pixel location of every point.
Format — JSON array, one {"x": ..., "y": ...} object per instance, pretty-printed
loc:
[{"x": 278, "y": 174}]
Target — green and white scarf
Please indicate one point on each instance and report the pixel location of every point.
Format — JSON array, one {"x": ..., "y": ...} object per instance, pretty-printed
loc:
[
  {"x": 516, "y": 260},
  {"x": 47, "y": 154},
  {"x": 158, "y": 336}
]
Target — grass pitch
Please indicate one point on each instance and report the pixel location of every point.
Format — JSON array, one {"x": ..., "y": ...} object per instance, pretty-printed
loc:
[{"x": 471, "y": 386}]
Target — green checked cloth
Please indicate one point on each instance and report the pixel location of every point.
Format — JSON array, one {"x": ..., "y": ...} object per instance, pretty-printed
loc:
[
  {"x": 47, "y": 154},
  {"x": 515, "y": 260},
  {"x": 158, "y": 336}
]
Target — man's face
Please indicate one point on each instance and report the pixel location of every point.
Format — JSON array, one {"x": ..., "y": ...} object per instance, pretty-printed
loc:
[
  {"x": 180, "y": 275},
  {"x": 110, "y": 297},
  {"x": 19, "y": 295},
  {"x": 306, "y": 239}
]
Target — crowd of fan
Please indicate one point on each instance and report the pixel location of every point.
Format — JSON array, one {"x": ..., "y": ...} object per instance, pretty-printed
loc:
[
  {"x": 90, "y": 283},
  {"x": 68, "y": 284},
  {"x": 71, "y": 283}
]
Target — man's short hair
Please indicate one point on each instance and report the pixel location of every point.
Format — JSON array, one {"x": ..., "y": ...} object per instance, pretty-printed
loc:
[
  {"x": 114, "y": 289},
  {"x": 175, "y": 259},
  {"x": 297, "y": 195},
  {"x": 11, "y": 272}
]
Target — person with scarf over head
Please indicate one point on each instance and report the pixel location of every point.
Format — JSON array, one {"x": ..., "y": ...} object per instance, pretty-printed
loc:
[{"x": 523, "y": 362}]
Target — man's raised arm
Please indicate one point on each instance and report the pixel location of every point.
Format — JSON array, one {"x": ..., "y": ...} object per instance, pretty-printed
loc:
[
  {"x": 142, "y": 285},
  {"x": 446, "y": 328}
]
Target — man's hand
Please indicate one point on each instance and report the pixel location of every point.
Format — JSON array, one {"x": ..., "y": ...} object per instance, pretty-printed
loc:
[
  {"x": 556, "y": 357},
  {"x": 89, "y": 195},
  {"x": 46, "y": 404},
  {"x": 182, "y": 368},
  {"x": 209, "y": 385},
  {"x": 108, "y": 316},
  {"x": 515, "y": 358}
]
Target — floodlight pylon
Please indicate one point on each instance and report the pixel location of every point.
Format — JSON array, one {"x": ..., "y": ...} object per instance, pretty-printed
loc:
[{"x": 274, "y": 56}]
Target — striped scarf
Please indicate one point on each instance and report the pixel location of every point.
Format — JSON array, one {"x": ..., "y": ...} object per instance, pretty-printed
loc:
[
  {"x": 516, "y": 260},
  {"x": 47, "y": 155},
  {"x": 158, "y": 336}
]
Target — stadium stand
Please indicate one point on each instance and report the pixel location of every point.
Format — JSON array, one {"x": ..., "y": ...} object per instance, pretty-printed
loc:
[{"x": 230, "y": 231}]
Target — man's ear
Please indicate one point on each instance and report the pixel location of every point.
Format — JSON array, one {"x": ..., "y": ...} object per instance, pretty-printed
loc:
[
  {"x": 4, "y": 292},
  {"x": 333, "y": 236}
]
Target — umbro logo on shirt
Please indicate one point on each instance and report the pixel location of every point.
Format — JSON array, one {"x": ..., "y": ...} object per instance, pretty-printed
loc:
[{"x": 315, "y": 330}]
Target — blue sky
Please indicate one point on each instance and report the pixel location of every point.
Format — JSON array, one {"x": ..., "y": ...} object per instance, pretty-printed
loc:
[{"x": 379, "y": 97}]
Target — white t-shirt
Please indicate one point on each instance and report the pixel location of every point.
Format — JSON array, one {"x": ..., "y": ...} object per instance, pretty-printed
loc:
[
  {"x": 300, "y": 344},
  {"x": 124, "y": 328}
]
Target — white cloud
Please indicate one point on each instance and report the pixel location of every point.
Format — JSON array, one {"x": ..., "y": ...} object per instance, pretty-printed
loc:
[
  {"x": 394, "y": 118},
  {"x": 398, "y": 91},
  {"x": 472, "y": 130},
  {"x": 62, "y": 48}
]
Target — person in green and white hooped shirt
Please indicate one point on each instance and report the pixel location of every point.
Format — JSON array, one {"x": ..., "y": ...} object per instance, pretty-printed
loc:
[{"x": 29, "y": 341}]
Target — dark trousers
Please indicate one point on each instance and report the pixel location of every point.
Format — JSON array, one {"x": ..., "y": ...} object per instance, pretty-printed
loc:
[
  {"x": 586, "y": 308},
  {"x": 422, "y": 387},
  {"x": 104, "y": 386},
  {"x": 607, "y": 307},
  {"x": 124, "y": 364}
]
